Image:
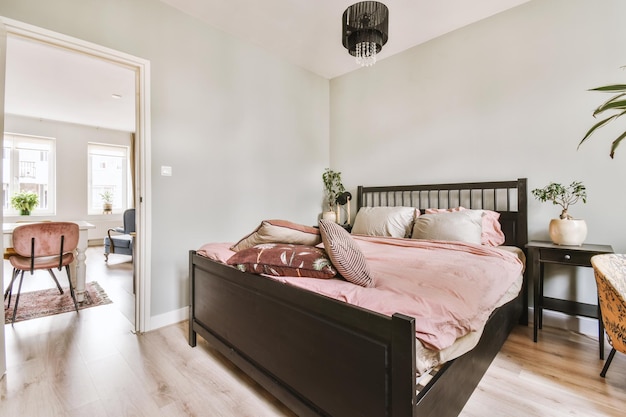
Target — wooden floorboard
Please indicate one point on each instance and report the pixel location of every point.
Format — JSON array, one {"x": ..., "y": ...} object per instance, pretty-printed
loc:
[{"x": 91, "y": 364}]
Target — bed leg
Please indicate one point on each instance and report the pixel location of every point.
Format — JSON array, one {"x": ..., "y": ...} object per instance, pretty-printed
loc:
[
  {"x": 403, "y": 366},
  {"x": 193, "y": 338}
]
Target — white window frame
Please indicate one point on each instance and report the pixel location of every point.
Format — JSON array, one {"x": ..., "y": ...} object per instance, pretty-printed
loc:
[
  {"x": 94, "y": 205},
  {"x": 17, "y": 141}
]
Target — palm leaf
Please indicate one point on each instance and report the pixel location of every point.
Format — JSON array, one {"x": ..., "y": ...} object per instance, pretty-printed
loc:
[
  {"x": 598, "y": 125},
  {"x": 615, "y": 88},
  {"x": 616, "y": 143},
  {"x": 613, "y": 103},
  {"x": 617, "y": 103}
]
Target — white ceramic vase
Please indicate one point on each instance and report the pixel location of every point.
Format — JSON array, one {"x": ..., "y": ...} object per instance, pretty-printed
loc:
[
  {"x": 572, "y": 232},
  {"x": 330, "y": 216}
]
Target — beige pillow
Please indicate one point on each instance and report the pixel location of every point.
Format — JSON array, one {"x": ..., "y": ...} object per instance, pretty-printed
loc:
[
  {"x": 461, "y": 226},
  {"x": 492, "y": 234},
  {"x": 279, "y": 231},
  {"x": 384, "y": 221}
]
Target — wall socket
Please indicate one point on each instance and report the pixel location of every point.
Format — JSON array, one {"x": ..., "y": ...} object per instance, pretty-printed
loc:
[{"x": 166, "y": 171}]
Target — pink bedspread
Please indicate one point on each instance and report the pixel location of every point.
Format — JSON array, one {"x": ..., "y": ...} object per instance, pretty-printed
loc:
[{"x": 450, "y": 288}]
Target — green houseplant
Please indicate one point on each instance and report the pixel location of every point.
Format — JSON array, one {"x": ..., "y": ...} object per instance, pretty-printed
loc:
[
  {"x": 565, "y": 230},
  {"x": 25, "y": 202},
  {"x": 332, "y": 188},
  {"x": 614, "y": 107},
  {"x": 107, "y": 201}
]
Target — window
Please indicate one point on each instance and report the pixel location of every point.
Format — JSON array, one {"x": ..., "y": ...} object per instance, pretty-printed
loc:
[
  {"x": 108, "y": 171},
  {"x": 28, "y": 165}
]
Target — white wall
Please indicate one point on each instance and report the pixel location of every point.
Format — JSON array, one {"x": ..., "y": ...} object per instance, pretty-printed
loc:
[
  {"x": 245, "y": 133},
  {"x": 72, "y": 166},
  {"x": 500, "y": 99}
]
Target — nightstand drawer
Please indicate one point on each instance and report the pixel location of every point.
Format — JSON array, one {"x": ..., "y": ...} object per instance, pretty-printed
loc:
[{"x": 563, "y": 256}]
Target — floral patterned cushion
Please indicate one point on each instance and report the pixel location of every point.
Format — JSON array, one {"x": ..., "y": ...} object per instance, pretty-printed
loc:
[{"x": 283, "y": 259}]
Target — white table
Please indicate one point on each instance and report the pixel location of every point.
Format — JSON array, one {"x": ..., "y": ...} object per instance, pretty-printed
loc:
[{"x": 77, "y": 268}]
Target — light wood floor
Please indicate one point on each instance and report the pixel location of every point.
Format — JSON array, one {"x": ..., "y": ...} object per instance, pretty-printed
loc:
[{"x": 91, "y": 364}]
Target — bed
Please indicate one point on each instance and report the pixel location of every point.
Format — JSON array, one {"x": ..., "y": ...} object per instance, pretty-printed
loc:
[{"x": 323, "y": 357}]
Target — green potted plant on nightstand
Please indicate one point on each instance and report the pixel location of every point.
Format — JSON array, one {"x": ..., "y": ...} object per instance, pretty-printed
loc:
[
  {"x": 565, "y": 230},
  {"x": 332, "y": 188},
  {"x": 25, "y": 202}
]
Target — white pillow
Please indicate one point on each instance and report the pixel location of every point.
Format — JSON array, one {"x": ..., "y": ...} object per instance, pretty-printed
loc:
[
  {"x": 462, "y": 226},
  {"x": 384, "y": 221}
]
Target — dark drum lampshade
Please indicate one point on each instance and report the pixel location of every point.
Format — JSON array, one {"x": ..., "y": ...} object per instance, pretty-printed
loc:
[{"x": 365, "y": 30}]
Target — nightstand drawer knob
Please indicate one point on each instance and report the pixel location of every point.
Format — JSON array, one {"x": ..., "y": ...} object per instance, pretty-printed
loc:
[{"x": 567, "y": 257}]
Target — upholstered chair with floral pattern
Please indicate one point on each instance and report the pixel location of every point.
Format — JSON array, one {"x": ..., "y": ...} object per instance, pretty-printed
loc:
[{"x": 610, "y": 273}]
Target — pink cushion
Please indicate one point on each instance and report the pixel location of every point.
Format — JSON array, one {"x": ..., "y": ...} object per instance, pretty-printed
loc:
[{"x": 23, "y": 263}]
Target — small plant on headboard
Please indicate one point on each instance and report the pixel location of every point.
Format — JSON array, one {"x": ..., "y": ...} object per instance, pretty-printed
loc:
[{"x": 332, "y": 187}]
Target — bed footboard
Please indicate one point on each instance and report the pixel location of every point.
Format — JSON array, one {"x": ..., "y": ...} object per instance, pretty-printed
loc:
[{"x": 319, "y": 356}]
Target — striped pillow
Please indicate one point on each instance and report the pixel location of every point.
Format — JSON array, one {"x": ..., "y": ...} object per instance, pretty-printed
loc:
[{"x": 345, "y": 254}]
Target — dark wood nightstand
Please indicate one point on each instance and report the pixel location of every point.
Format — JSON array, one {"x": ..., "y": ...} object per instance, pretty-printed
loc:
[{"x": 540, "y": 253}]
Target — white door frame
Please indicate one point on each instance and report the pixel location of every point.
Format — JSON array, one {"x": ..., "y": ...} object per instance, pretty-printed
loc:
[
  {"x": 3, "y": 49},
  {"x": 141, "y": 67}
]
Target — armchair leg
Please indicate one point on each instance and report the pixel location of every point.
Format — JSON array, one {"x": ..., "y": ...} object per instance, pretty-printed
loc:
[
  {"x": 17, "y": 298},
  {"x": 9, "y": 289},
  {"x": 69, "y": 280},
  {"x": 56, "y": 281},
  {"x": 607, "y": 363}
]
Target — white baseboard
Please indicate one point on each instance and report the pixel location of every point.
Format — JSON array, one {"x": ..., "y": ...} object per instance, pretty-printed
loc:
[
  {"x": 584, "y": 325},
  {"x": 169, "y": 318}
]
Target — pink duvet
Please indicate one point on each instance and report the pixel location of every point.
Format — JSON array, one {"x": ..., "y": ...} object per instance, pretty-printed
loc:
[{"x": 450, "y": 288}]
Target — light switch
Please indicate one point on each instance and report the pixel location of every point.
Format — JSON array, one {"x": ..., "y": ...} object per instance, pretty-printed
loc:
[{"x": 166, "y": 171}]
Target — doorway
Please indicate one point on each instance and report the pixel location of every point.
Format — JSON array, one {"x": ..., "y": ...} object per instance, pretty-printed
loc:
[{"x": 141, "y": 148}]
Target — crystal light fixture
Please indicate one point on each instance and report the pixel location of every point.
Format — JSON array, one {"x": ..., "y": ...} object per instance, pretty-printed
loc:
[{"x": 365, "y": 30}]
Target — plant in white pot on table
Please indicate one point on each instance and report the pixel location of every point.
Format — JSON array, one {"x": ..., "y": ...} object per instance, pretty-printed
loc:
[
  {"x": 25, "y": 202},
  {"x": 107, "y": 201},
  {"x": 565, "y": 230},
  {"x": 332, "y": 188}
]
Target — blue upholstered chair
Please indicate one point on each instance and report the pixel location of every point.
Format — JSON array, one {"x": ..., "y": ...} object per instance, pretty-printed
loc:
[{"x": 119, "y": 240}]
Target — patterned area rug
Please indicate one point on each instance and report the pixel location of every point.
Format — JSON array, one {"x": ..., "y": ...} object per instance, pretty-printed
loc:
[{"x": 49, "y": 302}]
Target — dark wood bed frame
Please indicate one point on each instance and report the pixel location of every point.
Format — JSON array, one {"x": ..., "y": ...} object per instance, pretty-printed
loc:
[{"x": 322, "y": 357}]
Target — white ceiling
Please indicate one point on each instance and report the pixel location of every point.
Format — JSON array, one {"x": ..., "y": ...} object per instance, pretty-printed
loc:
[
  {"x": 308, "y": 32},
  {"x": 51, "y": 83}
]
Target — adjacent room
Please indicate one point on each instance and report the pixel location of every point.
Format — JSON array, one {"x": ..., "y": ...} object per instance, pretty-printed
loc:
[{"x": 243, "y": 125}]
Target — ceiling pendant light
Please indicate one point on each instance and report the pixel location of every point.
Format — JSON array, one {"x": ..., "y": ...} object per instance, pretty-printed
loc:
[{"x": 365, "y": 30}]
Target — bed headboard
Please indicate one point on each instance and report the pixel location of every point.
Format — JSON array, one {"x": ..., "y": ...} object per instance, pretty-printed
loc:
[{"x": 509, "y": 198}]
